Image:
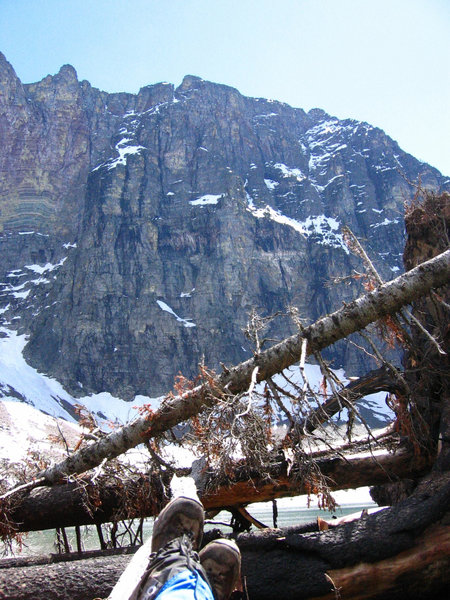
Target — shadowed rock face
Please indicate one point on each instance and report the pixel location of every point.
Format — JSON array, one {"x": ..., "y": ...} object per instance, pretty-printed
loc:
[{"x": 138, "y": 231}]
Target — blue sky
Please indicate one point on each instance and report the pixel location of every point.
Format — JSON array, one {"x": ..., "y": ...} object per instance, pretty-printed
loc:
[{"x": 385, "y": 62}]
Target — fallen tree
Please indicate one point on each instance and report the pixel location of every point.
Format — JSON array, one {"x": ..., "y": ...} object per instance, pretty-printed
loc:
[
  {"x": 356, "y": 315},
  {"x": 402, "y": 552},
  {"x": 140, "y": 496},
  {"x": 113, "y": 497}
]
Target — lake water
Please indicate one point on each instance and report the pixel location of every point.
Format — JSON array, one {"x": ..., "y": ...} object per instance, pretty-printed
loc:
[{"x": 291, "y": 511}]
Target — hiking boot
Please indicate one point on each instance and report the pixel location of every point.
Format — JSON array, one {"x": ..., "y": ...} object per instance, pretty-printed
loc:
[
  {"x": 221, "y": 560},
  {"x": 181, "y": 516}
]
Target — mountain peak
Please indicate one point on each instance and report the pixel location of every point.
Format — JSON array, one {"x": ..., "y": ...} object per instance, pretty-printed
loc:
[
  {"x": 68, "y": 73},
  {"x": 189, "y": 82}
]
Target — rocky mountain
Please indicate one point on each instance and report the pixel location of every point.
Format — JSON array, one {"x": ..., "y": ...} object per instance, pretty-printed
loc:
[{"x": 138, "y": 231}]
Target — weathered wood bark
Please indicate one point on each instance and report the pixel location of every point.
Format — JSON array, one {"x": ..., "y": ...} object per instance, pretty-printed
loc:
[
  {"x": 428, "y": 226},
  {"x": 402, "y": 552},
  {"x": 354, "y": 555},
  {"x": 387, "y": 299},
  {"x": 341, "y": 473},
  {"x": 70, "y": 504},
  {"x": 74, "y": 580},
  {"x": 15, "y": 562}
]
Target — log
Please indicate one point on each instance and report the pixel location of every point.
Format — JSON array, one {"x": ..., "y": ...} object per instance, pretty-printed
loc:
[
  {"x": 398, "y": 553},
  {"x": 341, "y": 473},
  {"x": 409, "y": 545},
  {"x": 82, "y": 579},
  {"x": 419, "y": 572},
  {"x": 47, "y": 559},
  {"x": 66, "y": 505}
]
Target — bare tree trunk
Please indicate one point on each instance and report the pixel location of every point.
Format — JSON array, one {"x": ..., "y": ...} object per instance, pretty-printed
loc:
[
  {"x": 68, "y": 505},
  {"x": 401, "y": 552},
  {"x": 83, "y": 579},
  {"x": 387, "y": 299}
]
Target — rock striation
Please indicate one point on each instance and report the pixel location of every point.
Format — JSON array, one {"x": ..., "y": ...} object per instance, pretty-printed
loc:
[{"x": 138, "y": 231}]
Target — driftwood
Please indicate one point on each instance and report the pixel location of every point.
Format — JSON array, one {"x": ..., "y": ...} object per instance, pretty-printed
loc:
[
  {"x": 72, "y": 504},
  {"x": 400, "y": 552},
  {"x": 83, "y": 579},
  {"x": 293, "y": 565}
]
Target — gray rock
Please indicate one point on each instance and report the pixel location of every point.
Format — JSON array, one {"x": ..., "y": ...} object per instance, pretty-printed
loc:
[{"x": 168, "y": 215}]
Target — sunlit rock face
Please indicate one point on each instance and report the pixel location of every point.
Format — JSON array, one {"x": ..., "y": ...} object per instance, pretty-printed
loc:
[{"x": 139, "y": 231}]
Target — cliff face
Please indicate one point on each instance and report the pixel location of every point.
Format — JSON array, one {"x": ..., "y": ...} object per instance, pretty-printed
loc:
[{"x": 138, "y": 231}]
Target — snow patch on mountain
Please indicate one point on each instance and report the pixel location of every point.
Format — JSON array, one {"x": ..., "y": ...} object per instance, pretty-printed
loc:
[
  {"x": 325, "y": 231},
  {"x": 291, "y": 172},
  {"x": 270, "y": 184},
  {"x": 22, "y": 290},
  {"x": 166, "y": 308},
  {"x": 25, "y": 430},
  {"x": 21, "y": 382},
  {"x": 127, "y": 146},
  {"x": 124, "y": 149},
  {"x": 206, "y": 199},
  {"x": 384, "y": 223},
  {"x": 48, "y": 267},
  {"x": 322, "y": 229},
  {"x": 273, "y": 214}
]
